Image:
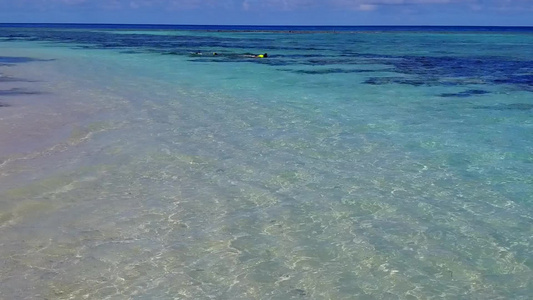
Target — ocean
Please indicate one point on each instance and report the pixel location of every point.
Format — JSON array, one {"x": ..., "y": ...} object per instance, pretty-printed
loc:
[{"x": 351, "y": 163}]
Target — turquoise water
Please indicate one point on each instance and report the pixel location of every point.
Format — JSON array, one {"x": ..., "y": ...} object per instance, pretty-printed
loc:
[{"x": 355, "y": 164}]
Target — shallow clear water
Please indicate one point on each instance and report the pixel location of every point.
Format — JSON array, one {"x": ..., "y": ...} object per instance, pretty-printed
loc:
[{"x": 356, "y": 164}]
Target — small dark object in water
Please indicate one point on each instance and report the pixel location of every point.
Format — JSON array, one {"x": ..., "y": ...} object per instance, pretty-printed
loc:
[
  {"x": 4, "y": 105},
  {"x": 382, "y": 80}
]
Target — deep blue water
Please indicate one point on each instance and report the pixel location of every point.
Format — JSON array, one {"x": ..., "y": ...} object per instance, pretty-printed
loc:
[
  {"x": 444, "y": 64},
  {"x": 513, "y": 29}
]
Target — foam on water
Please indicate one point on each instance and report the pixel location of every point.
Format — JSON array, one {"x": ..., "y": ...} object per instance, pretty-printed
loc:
[{"x": 345, "y": 166}]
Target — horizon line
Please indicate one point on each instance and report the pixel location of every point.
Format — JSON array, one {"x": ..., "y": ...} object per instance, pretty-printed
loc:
[{"x": 255, "y": 25}]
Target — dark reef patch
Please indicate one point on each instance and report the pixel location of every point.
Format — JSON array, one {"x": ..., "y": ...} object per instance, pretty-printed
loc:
[
  {"x": 130, "y": 52},
  {"x": 13, "y": 79},
  {"x": 18, "y": 91},
  {"x": 437, "y": 68},
  {"x": 488, "y": 70},
  {"x": 403, "y": 80},
  {"x": 331, "y": 71},
  {"x": 467, "y": 93},
  {"x": 512, "y": 106},
  {"x": 14, "y": 60},
  {"x": 18, "y": 60},
  {"x": 517, "y": 79}
]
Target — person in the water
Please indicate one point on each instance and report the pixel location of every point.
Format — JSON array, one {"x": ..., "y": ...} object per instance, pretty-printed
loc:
[
  {"x": 249, "y": 55},
  {"x": 256, "y": 55}
]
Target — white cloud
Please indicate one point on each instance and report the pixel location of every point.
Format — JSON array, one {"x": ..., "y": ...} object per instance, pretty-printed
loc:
[
  {"x": 366, "y": 5},
  {"x": 246, "y": 5},
  {"x": 272, "y": 5},
  {"x": 72, "y": 2},
  {"x": 362, "y": 5}
]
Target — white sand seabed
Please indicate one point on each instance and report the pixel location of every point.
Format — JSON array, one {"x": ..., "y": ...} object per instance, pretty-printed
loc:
[
  {"x": 41, "y": 119},
  {"x": 49, "y": 121}
]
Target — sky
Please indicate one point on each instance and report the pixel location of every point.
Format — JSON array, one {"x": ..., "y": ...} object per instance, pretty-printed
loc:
[{"x": 271, "y": 12}]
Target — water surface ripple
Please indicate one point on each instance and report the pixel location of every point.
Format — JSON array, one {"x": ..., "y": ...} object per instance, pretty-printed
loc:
[{"x": 352, "y": 163}]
